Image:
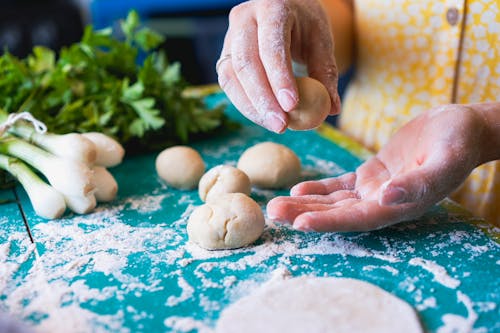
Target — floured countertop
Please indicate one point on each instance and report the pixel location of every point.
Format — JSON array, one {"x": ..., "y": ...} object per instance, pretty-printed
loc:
[{"x": 128, "y": 267}]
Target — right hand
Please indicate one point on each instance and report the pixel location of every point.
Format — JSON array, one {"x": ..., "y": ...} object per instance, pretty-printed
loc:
[
  {"x": 255, "y": 70},
  {"x": 421, "y": 164}
]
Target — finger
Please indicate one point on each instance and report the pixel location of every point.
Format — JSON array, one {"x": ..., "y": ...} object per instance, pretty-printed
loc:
[
  {"x": 325, "y": 186},
  {"x": 230, "y": 83},
  {"x": 236, "y": 94},
  {"x": 322, "y": 66},
  {"x": 248, "y": 68},
  {"x": 373, "y": 170},
  {"x": 359, "y": 216},
  {"x": 321, "y": 199},
  {"x": 285, "y": 210},
  {"x": 288, "y": 208},
  {"x": 274, "y": 47}
]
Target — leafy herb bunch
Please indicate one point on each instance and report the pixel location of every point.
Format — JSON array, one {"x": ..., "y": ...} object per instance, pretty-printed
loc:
[{"x": 99, "y": 85}]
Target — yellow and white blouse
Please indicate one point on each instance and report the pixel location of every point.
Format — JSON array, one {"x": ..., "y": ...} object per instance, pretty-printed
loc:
[{"x": 414, "y": 55}]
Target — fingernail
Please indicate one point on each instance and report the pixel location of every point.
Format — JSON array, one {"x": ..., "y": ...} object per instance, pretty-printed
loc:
[
  {"x": 286, "y": 99},
  {"x": 336, "y": 106},
  {"x": 394, "y": 196},
  {"x": 338, "y": 103},
  {"x": 294, "y": 191},
  {"x": 303, "y": 227},
  {"x": 275, "y": 123},
  {"x": 279, "y": 221},
  {"x": 270, "y": 215}
]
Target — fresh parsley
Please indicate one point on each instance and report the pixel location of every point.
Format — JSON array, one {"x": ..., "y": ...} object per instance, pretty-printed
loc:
[{"x": 122, "y": 87}]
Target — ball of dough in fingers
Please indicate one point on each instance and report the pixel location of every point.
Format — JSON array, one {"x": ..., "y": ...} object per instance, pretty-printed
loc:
[
  {"x": 230, "y": 221},
  {"x": 313, "y": 107},
  {"x": 270, "y": 165},
  {"x": 223, "y": 179},
  {"x": 180, "y": 166}
]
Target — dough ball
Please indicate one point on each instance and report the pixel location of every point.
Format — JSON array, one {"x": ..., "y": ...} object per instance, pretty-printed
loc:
[
  {"x": 319, "y": 304},
  {"x": 270, "y": 165},
  {"x": 180, "y": 166},
  {"x": 313, "y": 107},
  {"x": 223, "y": 179},
  {"x": 230, "y": 221}
]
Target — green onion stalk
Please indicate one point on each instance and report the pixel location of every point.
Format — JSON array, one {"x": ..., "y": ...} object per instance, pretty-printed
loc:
[
  {"x": 71, "y": 178},
  {"x": 46, "y": 200}
]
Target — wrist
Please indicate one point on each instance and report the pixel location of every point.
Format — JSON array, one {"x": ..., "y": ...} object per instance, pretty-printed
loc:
[{"x": 490, "y": 138}]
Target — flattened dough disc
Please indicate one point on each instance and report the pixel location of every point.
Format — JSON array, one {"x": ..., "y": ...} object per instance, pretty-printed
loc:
[{"x": 317, "y": 304}]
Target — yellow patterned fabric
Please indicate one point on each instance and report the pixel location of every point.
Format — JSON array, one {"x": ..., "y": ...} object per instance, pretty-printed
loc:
[{"x": 414, "y": 55}]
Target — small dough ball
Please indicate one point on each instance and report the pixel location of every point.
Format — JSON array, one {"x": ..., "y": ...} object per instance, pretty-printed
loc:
[
  {"x": 223, "y": 179},
  {"x": 180, "y": 166},
  {"x": 313, "y": 107},
  {"x": 270, "y": 165},
  {"x": 230, "y": 221}
]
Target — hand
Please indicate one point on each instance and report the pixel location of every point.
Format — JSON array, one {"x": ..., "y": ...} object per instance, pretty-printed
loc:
[
  {"x": 421, "y": 164},
  {"x": 255, "y": 68}
]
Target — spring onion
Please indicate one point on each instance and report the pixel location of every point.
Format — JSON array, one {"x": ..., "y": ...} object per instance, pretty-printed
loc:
[
  {"x": 71, "y": 145},
  {"x": 69, "y": 177},
  {"x": 109, "y": 152},
  {"x": 105, "y": 185},
  {"x": 46, "y": 200},
  {"x": 81, "y": 204}
]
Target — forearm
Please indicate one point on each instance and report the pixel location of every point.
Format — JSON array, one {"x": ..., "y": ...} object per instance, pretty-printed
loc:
[
  {"x": 490, "y": 114},
  {"x": 341, "y": 16}
]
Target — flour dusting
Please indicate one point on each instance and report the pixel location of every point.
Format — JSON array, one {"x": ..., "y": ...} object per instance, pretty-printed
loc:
[
  {"x": 325, "y": 168},
  {"x": 439, "y": 272},
  {"x": 146, "y": 203},
  {"x": 187, "y": 293},
  {"x": 81, "y": 265},
  {"x": 186, "y": 324},
  {"x": 459, "y": 324}
]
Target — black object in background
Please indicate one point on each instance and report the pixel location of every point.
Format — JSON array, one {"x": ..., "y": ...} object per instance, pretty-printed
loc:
[
  {"x": 25, "y": 23},
  {"x": 194, "y": 39}
]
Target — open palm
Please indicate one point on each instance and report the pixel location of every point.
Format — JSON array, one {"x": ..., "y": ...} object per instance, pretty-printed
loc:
[{"x": 420, "y": 165}]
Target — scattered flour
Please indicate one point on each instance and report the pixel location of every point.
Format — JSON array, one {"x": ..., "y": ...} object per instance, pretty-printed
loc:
[
  {"x": 458, "y": 324},
  {"x": 187, "y": 293},
  {"x": 323, "y": 244},
  {"x": 73, "y": 248},
  {"x": 326, "y": 168},
  {"x": 58, "y": 271},
  {"x": 146, "y": 203},
  {"x": 439, "y": 272},
  {"x": 108, "y": 263},
  {"x": 186, "y": 324},
  {"x": 427, "y": 303},
  {"x": 388, "y": 268}
]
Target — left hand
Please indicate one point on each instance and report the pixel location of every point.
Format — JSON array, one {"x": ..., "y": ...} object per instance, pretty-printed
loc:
[{"x": 421, "y": 164}]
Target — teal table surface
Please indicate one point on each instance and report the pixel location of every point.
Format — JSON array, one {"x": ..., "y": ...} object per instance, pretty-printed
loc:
[{"x": 128, "y": 266}]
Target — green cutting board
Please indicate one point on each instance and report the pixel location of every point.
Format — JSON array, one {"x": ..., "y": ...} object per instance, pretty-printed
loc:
[{"x": 128, "y": 267}]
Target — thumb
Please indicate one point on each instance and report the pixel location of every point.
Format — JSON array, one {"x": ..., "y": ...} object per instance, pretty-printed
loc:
[{"x": 415, "y": 186}]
